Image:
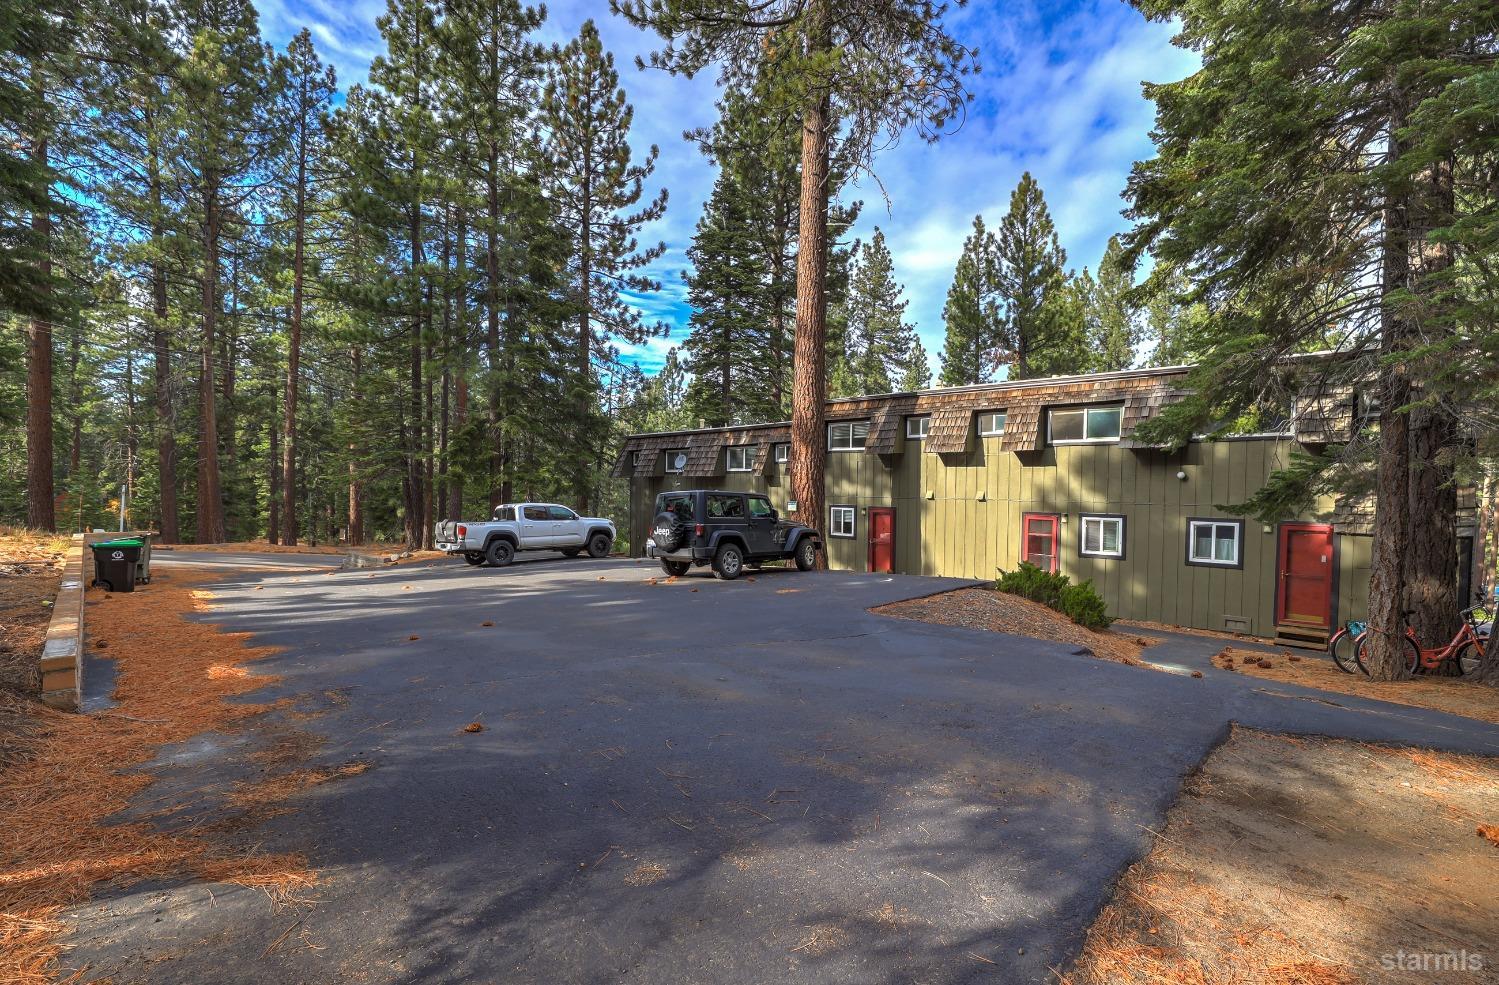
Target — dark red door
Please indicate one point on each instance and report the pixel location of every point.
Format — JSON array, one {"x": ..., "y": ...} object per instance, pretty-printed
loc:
[
  {"x": 1039, "y": 540},
  {"x": 1304, "y": 593},
  {"x": 881, "y": 539}
]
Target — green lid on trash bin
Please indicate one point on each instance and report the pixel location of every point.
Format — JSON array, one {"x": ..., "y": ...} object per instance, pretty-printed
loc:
[{"x": 126, "y": 542}]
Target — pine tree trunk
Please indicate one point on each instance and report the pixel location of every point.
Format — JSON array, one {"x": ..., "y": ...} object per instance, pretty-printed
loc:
[
  {"x": 460, "y": 396},
  {"x": 273, "y": 498},
  {"x": 210, "y": 512},
  {"x": 809, "y": 358},
  {"x": 294, "y": 344},
  {"x": 356, "y": 492},
  {"x": 428, "y": 502},
  {"x": 1431, "y": 560},
  {"x": 40, "y": 505},
  {"x": 413, "y": 435},
  {"x": 75, "y": 401},
  {"x": 1431, "y": 563},
  {"x": 497, "y": 379},
  {"x": 581, "y": 485},
  {"x": 1386, "y": 648},
  {"x": 166, "y": 419}
]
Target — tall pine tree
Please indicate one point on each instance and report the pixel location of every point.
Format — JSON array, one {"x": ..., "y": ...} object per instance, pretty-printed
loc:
[
  {"x": 599, "y": 189},
  {"x": 857, "y": 75},
  {"x": 1039, "y": 335},
  {"x": 972, "y": 315}
]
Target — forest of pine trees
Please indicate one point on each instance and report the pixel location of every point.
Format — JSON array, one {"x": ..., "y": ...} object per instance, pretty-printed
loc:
[{"x": 266, "y": 309}]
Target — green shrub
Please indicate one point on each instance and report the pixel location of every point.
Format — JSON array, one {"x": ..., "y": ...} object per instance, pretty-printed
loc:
[
  {"x": 1085, "y": 607},
  {"x": 1080, "y": 602}
]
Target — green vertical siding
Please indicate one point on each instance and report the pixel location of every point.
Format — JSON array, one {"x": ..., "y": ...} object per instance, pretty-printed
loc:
[{"x": 960, "y": 515}]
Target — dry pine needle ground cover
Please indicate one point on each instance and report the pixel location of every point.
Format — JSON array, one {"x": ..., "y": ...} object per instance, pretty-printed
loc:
[
  {"x": 57, "y": 842},
  {"x": 1450, "y": 694},
  {"x": 1000, "y": 612},
  {"x": 30, "y": 570},
  {"x": 1311, "y": 861}
]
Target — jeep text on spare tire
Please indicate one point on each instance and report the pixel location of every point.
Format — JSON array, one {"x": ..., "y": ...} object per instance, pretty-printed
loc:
[
  {"x": 729, "y": 530},
  {"x": 526, "y": 527}
]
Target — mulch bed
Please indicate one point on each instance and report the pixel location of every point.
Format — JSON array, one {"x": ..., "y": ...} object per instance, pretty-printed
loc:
[
  {"x": 72, "y": 773},
  {"x": 999, "y": 612},
  {"x": 30, "y": 568}
]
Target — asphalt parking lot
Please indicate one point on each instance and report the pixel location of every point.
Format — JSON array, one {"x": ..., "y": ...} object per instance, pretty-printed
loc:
[{"x": 694, "y": 781}]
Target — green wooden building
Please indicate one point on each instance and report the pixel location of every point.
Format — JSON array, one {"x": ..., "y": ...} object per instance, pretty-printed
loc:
[{"x": 970, "y": 480}]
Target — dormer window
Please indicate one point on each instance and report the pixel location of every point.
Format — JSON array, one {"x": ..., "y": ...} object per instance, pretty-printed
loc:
[
  {"x": 917, "y": 427},
  {"x": 1084, "y": 425},
  {"x": 741, "y": 458}
]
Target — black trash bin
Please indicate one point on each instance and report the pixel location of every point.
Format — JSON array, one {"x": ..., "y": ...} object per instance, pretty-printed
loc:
[{"x": 115, "y": 563}]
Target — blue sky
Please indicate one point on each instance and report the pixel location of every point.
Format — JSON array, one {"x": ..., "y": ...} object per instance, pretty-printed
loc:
[{"x": 1059, "y": 95}]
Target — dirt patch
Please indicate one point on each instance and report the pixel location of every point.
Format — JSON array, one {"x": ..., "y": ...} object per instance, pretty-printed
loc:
[
  {"x": 646, "y": 874},
  {"x": 1000, "y": 612},
  {"x": 177, "y": 679},
  {"x": 1450, "y": 694},
  {"x": 1310, "y": 861},
  {"x": 1211, "y": 634},
  {"x": 31, "y": 565}
]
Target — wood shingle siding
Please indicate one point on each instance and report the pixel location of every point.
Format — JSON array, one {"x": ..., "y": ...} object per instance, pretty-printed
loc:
[{"x": 951, "y": 430}]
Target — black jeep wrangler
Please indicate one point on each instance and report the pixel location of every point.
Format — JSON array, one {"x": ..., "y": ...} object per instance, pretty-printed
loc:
[{"x": 728, "y": 530}]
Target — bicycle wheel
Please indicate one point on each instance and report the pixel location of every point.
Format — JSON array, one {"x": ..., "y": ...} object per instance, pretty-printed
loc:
[
  {"x": 1412, "y": 654},
  {"x": 1342, "y": 648},
  {"x": 1469, "y": 658}
]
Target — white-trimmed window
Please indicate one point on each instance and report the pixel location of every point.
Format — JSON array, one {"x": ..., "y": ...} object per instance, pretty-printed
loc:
[
  {"x": 991, "y": 423},
  {"x": 1101, "y": 535},
  {"x": 1082, "y": 425},
  {"x": 782, "y": 453},
  {"x": 740, "y": 458},
  {"x": 917, "y": 427},
  {"x": 840, "y": 521},
  {"x": 1216, "y": 542},
  {"x": 676, "y": 460},
  {"x": 848, "y": 435}
]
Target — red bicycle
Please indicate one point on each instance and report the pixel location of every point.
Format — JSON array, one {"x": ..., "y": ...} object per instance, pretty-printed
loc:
[{"x": 1465, "y": 652}]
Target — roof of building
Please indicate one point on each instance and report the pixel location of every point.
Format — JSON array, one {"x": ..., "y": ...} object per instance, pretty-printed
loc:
[{"x": 1142, "y": 393}]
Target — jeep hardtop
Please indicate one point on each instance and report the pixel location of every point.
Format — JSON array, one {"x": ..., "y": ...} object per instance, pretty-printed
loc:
[{"x": 729, "y": 530}]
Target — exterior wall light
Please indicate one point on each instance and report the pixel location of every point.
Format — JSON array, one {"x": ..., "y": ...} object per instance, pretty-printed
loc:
[{"x": 1182, "y": 476}]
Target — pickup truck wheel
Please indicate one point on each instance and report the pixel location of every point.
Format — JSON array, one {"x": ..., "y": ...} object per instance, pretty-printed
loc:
[
  {"x": 806, "y": 555},
  {"x": 475, "y": 558},
  {"x": 499, "y": 553},
  {"x": 571, "y": 552},
  {"x": 675, "y": 568},
  {"x": 598, "y": 546},
  {"x": 728, "y": 562}
]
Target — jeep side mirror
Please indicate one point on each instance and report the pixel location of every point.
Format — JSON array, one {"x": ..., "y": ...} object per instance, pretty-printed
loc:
[{"x": 773, "y": 514}]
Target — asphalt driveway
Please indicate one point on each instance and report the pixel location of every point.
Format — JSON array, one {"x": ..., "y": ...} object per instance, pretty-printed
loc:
[{"x": 694, "y": 782}]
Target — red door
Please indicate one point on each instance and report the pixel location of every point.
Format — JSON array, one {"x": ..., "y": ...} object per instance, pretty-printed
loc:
[
  {"x": 881, "y": 539},
  {"x": 1304, "y": 592},
  {"x": 1039, "y": 540}
]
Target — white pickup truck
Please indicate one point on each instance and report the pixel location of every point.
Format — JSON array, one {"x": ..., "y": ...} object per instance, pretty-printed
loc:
[{"x": 525, "y": 527}]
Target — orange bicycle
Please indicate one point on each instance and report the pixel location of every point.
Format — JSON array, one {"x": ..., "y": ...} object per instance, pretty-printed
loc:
[{"x": 1465, "y": 652}]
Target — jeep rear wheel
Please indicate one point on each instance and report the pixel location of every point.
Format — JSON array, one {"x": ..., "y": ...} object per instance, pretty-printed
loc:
[
  {"x": 475, "y": 558},
  {"x": 499, "y": 553},
  {"x": 675, "y": 568},
  {"x": 598, "y": 546},
  {"x": 806, "y": 555},
  {"x": 728, "y": 562}
]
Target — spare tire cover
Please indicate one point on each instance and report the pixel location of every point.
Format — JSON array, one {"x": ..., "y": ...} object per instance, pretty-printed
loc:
[{"x": 668, "y": 532}]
